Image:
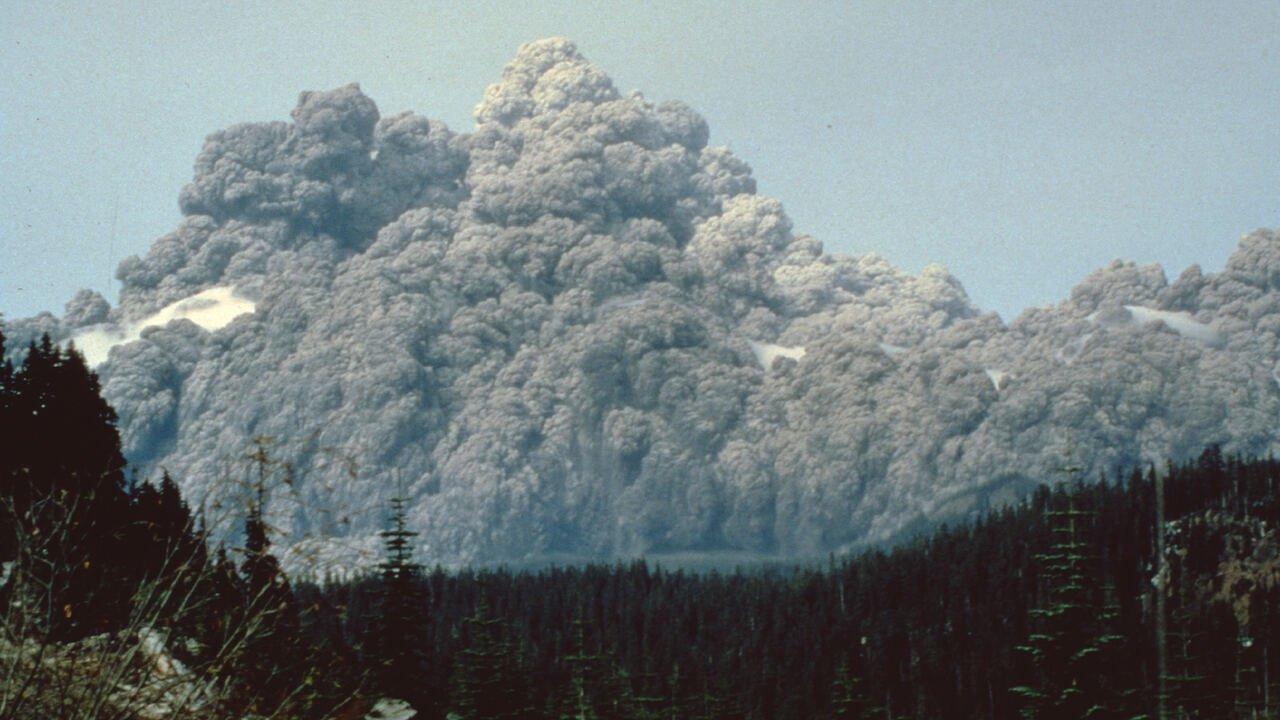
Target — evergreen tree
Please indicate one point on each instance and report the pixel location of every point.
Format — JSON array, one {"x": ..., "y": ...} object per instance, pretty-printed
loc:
[
  {"x": 62, "y": 475},
  {"x": 1193, "y": 691},
  {"x": 273, "y": 650},
  {"x": 487, "y": 683},
  {"x": 941, "y": 613},
  {"x": 224, "y": 597},
  {"x": 9, "y": 480},
  {"x": 579, "y": 701},
  {"x": 618, "y": 700},
  {"x": 400, "y": 629},
  {"x": 1071, "y": 639},
  {"x": 851, "y": 700},
  {"x": 162, "y": 538},
  {"x": 173, "y": 518},
  {"x": 648, "y": 698}
]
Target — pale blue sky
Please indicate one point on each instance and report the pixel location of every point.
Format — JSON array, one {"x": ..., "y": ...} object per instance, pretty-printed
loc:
[{"x": 1019, "y": 144}]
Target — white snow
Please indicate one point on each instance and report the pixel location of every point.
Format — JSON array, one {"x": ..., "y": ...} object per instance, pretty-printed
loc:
[
  {"x": 766, "y": 353},
  {"x": 210, "y": 309},
  {"x": 169, "y": 687},
  {"x": 997, "y": 377},
  {"x": 1180, "y": 322},
  {"x": 153, "y": 646},
  {"x": 391, "y": 709},
  {"x": 891, "y": 350}
]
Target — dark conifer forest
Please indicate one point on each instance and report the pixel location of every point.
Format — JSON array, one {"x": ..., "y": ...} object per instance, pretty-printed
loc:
[{"x": 116, "y": 600}]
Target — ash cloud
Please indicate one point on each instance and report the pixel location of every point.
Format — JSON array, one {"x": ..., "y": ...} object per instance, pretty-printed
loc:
[{"x": 578, "y": 331}]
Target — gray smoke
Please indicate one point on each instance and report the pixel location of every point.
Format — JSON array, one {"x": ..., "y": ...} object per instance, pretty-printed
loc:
[{"x": 577, "y": 330}]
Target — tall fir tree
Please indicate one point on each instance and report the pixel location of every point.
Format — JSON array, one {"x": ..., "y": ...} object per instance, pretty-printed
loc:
[
  {"x": 399, "y": 630},
  {"x": 64, "y": 490},
  {"x": 273, "y": 649},
  {"x": 1071, "y": 635},
  {"x": 8, "y": 464},
  {"x": 488, "y": 680},
  {"x": 579, "y": 700},
  {"x": 850, "y": 697},
  {"x": 222, "y": 629}
]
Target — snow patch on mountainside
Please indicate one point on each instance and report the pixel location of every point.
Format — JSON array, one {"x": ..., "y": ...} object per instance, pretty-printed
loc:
[
  {"x": 1180, "y": 322},
  {"x": 211, "y": 309},
  {"x": 766, "y": 353},
  {"x": 997, "y": 377}
]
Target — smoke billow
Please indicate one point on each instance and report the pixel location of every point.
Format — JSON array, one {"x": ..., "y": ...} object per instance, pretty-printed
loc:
[{"x": 577, "y": 330}]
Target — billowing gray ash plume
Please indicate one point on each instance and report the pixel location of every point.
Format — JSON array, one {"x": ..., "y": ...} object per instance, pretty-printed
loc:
[{"x": 578, "y": 330}]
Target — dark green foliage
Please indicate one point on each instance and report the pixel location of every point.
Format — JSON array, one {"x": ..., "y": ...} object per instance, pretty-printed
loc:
[
  {"x": 87, "y": 554},
  {"x": 928, "y": 629},
  {"x": 60, "y": 468},
  {"x": 489, "y": 682},
  {"x": 224, "y": 600},
  {"x": 850, "y": 699},
  {"x": 272, "y": 665},
  {"x": 595, "y": 687},
  {"x": 1074, "y": 630},
  {"x": 397, "y": 646}
]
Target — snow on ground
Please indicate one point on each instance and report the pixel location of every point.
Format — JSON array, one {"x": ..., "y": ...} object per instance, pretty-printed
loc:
[
  {"x": 210, "y": 309},
  {"x": 166, "y": 688},
  {"x": 891, "y": 350},
  {"x": 154, "y": 647},
  {"x": 1180, "y": 322},
  {"x": 766, "y": 353},
  {"x": 997, "y": 377},
  {"x": 390, "y": 709}
]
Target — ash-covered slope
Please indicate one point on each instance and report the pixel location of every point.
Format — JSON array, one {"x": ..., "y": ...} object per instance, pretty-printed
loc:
[{"x": 578, "y": 330}]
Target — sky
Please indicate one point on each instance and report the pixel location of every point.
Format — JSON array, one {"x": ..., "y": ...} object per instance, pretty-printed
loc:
[{"x": 1021, "y": 145}]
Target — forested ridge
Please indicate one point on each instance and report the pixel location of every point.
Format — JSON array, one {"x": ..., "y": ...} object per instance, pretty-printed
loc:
[
  {"x": 1046, "y": 609},
  {"x": 940, "y": 627}
]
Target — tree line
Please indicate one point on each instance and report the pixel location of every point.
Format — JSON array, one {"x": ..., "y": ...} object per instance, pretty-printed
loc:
[
  {"x": 95, "y": 566},
  {"x": 1056, "y": 607},
  {"x": 1045, "y": 609}
]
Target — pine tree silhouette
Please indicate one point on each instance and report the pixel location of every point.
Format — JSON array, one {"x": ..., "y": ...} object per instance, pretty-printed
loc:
[
  {"x": 273, "y": 649},
  {"x": 487, "y": 682},
  {"x": 1072, "y": 636},
  {"x": 400, "y": 628},
  {"x": 580, "y": 700},
  {"x": 8, "y": 469},
  {"x": 62, "y": 473},
  {"x": 851, "y": 700}
]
